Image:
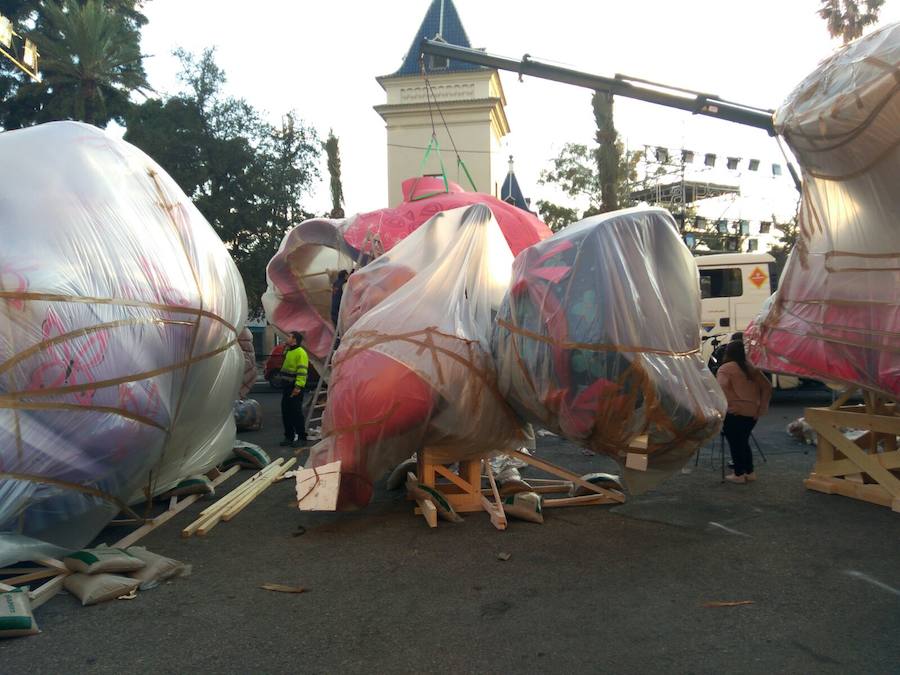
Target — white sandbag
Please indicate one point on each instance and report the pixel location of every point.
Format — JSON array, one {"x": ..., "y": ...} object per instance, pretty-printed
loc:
[
  {"x": 157, "y": 568},
  {"x": 16, "y": 618},
  {"x": 102, "y": 559},
  {"x": 94, "y": 588}
]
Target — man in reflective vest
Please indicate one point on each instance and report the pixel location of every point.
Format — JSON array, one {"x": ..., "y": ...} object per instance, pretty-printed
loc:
[{"x": 293, "y": 380}]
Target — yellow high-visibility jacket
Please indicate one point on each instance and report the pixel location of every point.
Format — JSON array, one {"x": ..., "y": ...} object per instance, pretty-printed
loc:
[{"x": 296, "y": 365}]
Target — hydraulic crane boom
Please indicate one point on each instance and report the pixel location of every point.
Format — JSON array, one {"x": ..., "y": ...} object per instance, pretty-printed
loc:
[{"x": 620, "y": 85}]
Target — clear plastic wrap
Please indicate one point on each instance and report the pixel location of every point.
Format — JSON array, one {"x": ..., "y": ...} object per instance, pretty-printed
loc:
[
  {"x": 416, "y": 370},
  {"x": 598, "y": 341},
  {"x": 836, "y": 314},
  {"x": 245, "y": 340},
  {"x": 119, "y": 313},
  {"x": 300, "y": 275}
]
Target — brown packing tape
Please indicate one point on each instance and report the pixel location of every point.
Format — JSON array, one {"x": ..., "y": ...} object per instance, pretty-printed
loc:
[
  {"x": 100, "y": 384},
  {"x": 369, "y": 339},
  {"x": 81, "y": 332},
  {"x": 845, "y": 137},
  {"x": 94, "y": 492},
  {"x": 594, "y": 346},
  {"x": 73, "y": 407},
  {"x": 122, "y": 302}
]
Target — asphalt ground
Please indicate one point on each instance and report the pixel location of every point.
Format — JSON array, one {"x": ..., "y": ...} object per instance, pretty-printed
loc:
[{"x": 599, "y": 589}]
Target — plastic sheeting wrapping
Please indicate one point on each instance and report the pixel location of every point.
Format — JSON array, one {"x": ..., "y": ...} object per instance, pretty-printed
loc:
[
  {"x": 416, "y": 371},
  {"x": 119, "y": 312},
  {"x": 598, "y": 340},
  {"x": 311, "y": 254},
  {"x": 836, "y": 314},
  {"x": 245, "y": 340}
]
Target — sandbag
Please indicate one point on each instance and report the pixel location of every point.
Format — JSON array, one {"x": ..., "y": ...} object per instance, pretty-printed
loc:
[
  {"x": 415, "y": 371},
  {"x": 524, "y": 506},
  {"x": 192, "y": 485},
  {"x": 598, "y": 340},
  {"x": 16, "y": 618},
  {"x": 120, "y": 312},
  {"x": 834, "y": 316},
  {"x": 157, "y": 568},
  {"x": 251, "y": 456},
  {"x": 102, "y": 559},
  {"x": 94, "y": 588}
]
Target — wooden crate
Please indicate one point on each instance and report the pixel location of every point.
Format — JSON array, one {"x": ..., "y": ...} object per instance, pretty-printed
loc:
[{"x": 867, "y": 468}]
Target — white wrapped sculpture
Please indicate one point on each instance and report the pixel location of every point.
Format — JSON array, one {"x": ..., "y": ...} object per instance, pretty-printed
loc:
[
  {"x": 834, "y": 316},
  {"x": 119, "y": 309}
]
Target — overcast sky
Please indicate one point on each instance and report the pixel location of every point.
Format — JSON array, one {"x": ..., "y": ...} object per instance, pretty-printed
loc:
[{"x": 321, "y": 59}]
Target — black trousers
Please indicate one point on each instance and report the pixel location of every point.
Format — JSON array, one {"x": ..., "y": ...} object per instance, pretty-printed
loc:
[
  {"x": 737, "y": 430},
  {"x": 292, "y": 415}
]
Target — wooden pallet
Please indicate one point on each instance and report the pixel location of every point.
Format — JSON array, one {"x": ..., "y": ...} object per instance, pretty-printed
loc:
[{"x": 858, "y": 468}]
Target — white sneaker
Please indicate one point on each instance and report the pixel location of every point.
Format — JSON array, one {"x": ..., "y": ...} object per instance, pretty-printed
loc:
[{"x": 732, "y": 478}]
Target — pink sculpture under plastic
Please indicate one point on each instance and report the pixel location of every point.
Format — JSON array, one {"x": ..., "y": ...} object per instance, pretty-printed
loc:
[{"x": 300, "y": 275}]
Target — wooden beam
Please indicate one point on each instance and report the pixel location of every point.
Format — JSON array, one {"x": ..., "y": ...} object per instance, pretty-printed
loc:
[
  {"x": 615, "y": 495},
  {"x": 860, "y": 458},
  {"x": 584, "y": 500},
  {"x": 167, "y": 515}
]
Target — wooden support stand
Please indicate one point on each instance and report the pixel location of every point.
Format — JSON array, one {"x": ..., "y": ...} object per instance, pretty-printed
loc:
[
  {"x": 867, "y": 468},
  {"x": 462, "y": 489}
]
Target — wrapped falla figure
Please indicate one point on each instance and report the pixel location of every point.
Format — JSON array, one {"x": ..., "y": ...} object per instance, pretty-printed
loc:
[
  {"x": 313, "y": 253},
  {"x": 415, "y": 370},
  {"x": 835, "y": 315},
  {"x": 120, "y": 311},
  {"x": 598, "y": 340}
]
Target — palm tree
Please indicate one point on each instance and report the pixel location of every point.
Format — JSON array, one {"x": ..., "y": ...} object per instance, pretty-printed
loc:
[
  {"x": 334, "y": 171},
  {"x": 90, "y": 65},
  {"x": 845, "y": 19}
]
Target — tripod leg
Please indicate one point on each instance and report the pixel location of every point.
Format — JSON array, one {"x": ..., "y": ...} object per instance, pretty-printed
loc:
[{"x": 758, "y": 449}]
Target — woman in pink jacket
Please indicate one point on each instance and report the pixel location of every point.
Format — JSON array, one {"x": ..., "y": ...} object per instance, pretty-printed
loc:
[{"x": 748, "y": 392}]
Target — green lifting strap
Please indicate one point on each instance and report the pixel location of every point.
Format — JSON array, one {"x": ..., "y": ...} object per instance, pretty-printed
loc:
[{"x": 436, "y": 147}]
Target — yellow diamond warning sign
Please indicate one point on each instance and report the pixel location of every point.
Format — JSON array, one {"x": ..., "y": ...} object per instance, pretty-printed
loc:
[{"x": 758, "y": 277}]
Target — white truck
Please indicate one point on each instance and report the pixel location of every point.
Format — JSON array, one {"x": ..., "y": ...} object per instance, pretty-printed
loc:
[{"x": 733, "y": 288}]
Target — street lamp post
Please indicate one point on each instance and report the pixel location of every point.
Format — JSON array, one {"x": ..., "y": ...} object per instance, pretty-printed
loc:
[{"x": 19, "y": 49}]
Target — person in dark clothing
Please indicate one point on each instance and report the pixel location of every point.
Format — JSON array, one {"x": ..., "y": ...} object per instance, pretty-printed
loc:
[
  {"x": 337, "y": 292},
  {"x": 293, "y": 378}
]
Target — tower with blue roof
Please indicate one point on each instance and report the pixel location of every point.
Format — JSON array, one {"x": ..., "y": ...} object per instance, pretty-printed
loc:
[{"x": 469, "y": 99}]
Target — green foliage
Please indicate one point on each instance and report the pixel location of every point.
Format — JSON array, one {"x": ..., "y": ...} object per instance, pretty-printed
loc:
[
  {"x": 846, "y": 20},
  {"x": 90, "y": 63},
  {"x": 245, "y": 176},
  {"x": 556, "y": 217},
  {"x": 334, "y": 172}
]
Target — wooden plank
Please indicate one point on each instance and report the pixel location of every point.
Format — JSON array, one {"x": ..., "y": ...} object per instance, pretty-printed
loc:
[
  {"x": 167, "y": 515},
  {"x": 429, "y": 510},
  {"x": 317, "y": 489},
  {"x": 5, "y": 588},
  {"x": 859, "y": 420},
  {"x": 443, "y": 471},
  {"x": 841, "y": 467},
  {"x": 636, "y": 461},
  {"x": 45, "y": 592},
  {"x": 32, "y": 576},
  {"x": 584, "y": 500},
  {"x": 539, "y": 489},
  {"x": 615, "y": 495},
  {"x": 874, "y": 494},
  {"x": 262, "y": 486},
  {"x": 863, "y": 461},
  {"x": 498, "y": 516}
]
